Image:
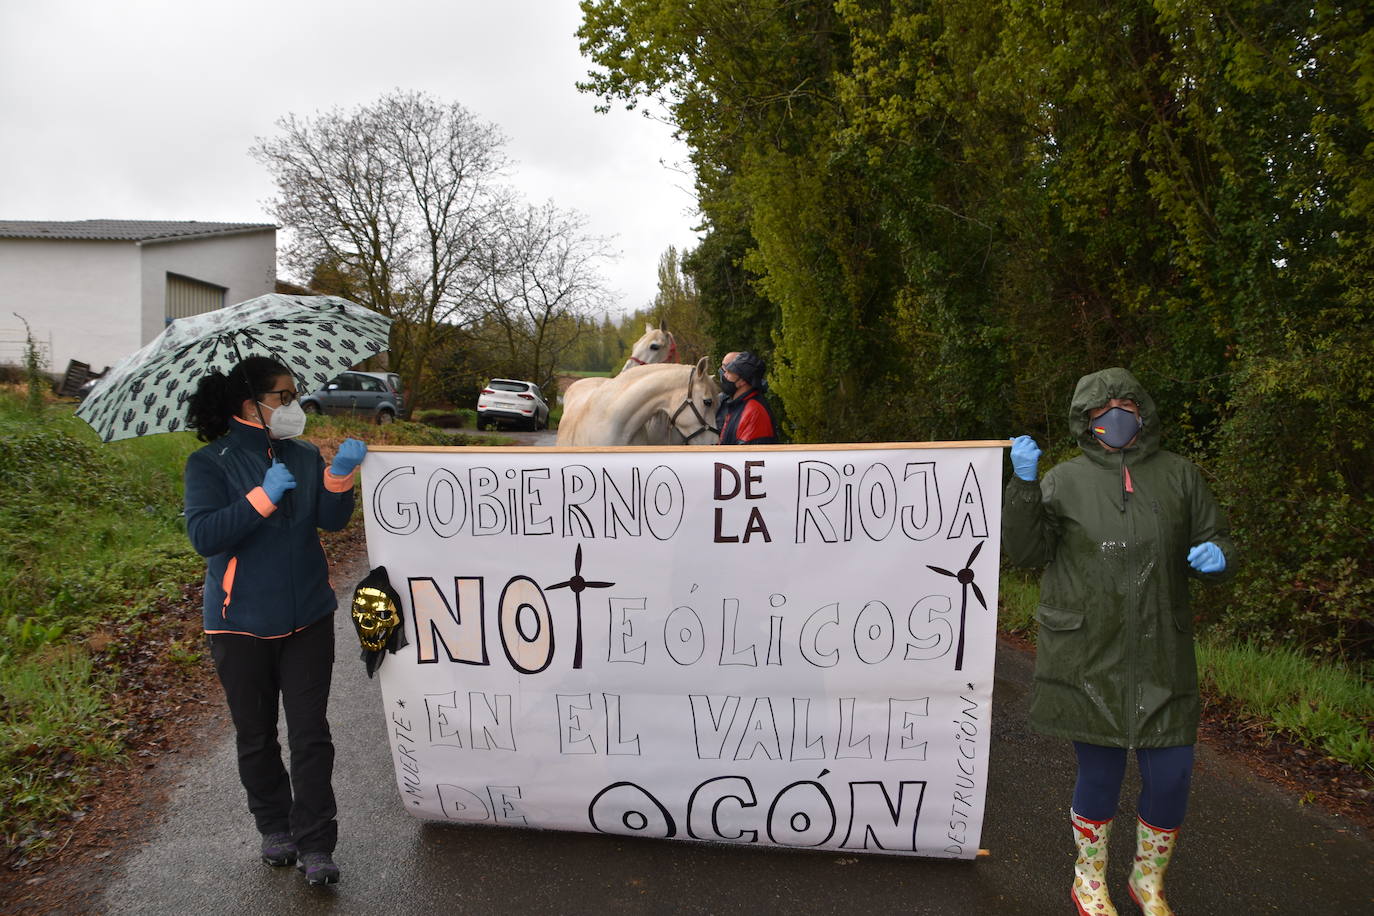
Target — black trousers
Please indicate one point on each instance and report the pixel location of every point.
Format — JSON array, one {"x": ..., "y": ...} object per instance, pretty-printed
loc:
[{"x": 296, "y": 669}]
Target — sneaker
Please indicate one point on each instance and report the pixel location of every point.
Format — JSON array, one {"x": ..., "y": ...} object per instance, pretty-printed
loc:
[
  {"x": 318, "y": 868},
  {"x": 278, "y": 849}
]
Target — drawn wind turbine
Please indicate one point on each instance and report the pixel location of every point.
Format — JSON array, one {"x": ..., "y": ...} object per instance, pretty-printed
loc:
[
  {"x": 577, "y": 584},
  {"x": 965, "y": 577}
]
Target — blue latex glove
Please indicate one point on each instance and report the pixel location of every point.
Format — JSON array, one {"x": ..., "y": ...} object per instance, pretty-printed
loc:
[
  {"x": 1207, "y": 558},
  {"x": 350, "y": 454},
  {"x": 277, "y": 481},
  {"x": 1025, "y": 457}
]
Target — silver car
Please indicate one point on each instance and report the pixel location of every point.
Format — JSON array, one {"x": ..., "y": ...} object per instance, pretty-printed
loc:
[
  {"x": 508, "y": 401},
  {"x": 372, "y": 395}
]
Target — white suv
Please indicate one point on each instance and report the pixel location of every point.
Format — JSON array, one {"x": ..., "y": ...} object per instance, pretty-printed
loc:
[{"x": 509, "y": 401}]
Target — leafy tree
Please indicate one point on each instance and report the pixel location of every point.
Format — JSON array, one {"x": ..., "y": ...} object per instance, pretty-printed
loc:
[
  {"x": 934, "y": 215},
  {"x": 676, "y": 306},
  {"x": 750, "y": 86},
  {"x": 737, "y": 315},
  {"x": 597, "y": 347}
]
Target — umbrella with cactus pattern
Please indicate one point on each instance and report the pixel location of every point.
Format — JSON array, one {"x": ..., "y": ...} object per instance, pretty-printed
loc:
[{"x": 316, "y": 337}]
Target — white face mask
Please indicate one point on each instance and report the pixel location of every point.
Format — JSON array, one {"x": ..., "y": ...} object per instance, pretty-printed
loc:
[{"x": 287, "y": 422}]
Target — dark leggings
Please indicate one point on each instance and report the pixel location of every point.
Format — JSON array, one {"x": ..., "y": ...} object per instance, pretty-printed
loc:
[{"x": 1165, "y": 775}]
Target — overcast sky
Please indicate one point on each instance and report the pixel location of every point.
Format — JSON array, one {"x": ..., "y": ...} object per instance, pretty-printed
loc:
[{"x": 146, "y": 109}]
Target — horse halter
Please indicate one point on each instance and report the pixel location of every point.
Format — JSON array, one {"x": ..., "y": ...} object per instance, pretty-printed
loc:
[{"x": 688, "y": 403}]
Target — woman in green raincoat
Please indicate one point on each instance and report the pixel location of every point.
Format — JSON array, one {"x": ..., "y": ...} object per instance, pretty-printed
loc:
[{"x": 1119, "y": 530}]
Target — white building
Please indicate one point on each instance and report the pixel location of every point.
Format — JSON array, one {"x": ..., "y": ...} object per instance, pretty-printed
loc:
[{"x": 97, "y": 290}]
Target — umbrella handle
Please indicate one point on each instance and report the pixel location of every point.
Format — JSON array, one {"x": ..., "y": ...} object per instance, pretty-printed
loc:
[
  {"x": 271, "y": 455},
  {"x": 283, "y": 504}
]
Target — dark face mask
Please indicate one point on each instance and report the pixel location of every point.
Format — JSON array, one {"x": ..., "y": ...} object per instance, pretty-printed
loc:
[
  {"x": 727, "y": 387},
  {"x": 1115, "y": 428}
]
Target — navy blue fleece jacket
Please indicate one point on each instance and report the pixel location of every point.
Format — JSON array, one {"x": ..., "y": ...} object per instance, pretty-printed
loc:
[{"x": 266, "y": 574}]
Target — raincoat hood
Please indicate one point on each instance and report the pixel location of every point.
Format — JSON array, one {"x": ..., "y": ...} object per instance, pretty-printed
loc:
[{"x": 1094, "y": 391}]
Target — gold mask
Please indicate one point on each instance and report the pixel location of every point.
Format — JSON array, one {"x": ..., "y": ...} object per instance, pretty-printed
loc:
[{"x": 374, "y": 617}]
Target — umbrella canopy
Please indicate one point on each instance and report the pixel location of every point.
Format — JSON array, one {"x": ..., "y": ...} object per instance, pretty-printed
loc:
[{"x": 315, "y": 337}]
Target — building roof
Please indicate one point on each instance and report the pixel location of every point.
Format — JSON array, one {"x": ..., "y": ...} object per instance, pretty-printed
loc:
[{"x": 124, "y": 230}]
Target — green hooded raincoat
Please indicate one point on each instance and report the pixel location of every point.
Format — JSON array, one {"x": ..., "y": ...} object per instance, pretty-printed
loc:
[{"x": 1114, "y": 661}]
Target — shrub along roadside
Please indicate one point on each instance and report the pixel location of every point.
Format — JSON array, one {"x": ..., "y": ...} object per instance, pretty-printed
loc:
[
  {"x": 90, "y": 537},
  {"x": 328, "y": 431},
  {"x": 1319, "y": 704},
  {"x": 85, "y": 528},
  {"x": 92, "y": 543},
  {"x": 452, "y": 418},
  {"x": 466, "y": 418}
]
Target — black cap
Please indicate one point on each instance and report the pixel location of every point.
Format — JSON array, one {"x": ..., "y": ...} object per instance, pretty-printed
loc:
[{"x": 749, "y": 367}]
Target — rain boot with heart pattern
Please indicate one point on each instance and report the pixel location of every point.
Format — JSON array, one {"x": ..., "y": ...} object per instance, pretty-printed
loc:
[
  {"x": 1153, "y": 849},
  {"x": 1090, "y": 871}
]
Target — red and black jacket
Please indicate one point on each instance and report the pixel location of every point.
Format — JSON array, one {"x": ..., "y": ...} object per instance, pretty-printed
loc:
[{"x": 746, "y": 420}]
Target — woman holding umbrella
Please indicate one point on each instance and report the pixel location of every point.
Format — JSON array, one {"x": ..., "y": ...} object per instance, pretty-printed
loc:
[{"x": 255, "y": 497}]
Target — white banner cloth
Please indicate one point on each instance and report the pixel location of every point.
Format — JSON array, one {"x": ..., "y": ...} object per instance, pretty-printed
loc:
[{"x": 783, "y": 645}]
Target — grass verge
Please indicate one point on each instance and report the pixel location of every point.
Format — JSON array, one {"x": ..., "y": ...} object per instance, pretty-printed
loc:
[
  {"x": 1322, "y": 706},
  {"x": 55, "y": 727},
  {"x": 90, "y": 536},
  {"x": 92, "y": 544},
  {"x": 1317, "y": 704},
  {"x": 1018, "y": 595}
]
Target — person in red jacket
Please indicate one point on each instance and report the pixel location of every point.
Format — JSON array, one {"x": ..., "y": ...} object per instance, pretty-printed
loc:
[{"x": 743, "y": 418}]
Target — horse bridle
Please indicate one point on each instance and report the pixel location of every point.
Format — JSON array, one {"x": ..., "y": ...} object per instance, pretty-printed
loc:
[
  {"x": 672, "y": 352},
  {"x": 689, "y": 403}
]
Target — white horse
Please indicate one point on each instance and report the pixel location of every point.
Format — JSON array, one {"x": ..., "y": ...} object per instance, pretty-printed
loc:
[
  {"x": 658, "y": 345},
  {"x": 657, "y": 404}
]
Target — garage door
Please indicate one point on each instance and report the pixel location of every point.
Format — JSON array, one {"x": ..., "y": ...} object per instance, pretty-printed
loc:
[{"x": 187, "y": 297}]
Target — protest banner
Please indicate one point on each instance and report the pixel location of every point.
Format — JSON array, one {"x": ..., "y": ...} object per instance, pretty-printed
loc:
[{"x": 781, "y": 645}]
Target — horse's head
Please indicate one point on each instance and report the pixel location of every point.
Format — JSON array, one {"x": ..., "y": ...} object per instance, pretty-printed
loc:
[
  {"x": 656, "y": 346},
  {"x": 695, "y": 417}
]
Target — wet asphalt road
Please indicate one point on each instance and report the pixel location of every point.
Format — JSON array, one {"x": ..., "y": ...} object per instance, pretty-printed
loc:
[{"x": 1247, "y": 848}]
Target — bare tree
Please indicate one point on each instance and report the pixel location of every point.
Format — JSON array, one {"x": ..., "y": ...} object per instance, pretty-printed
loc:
[
  {"x": 542, "y": 288},
  {"x": 401, "y": 196}
]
